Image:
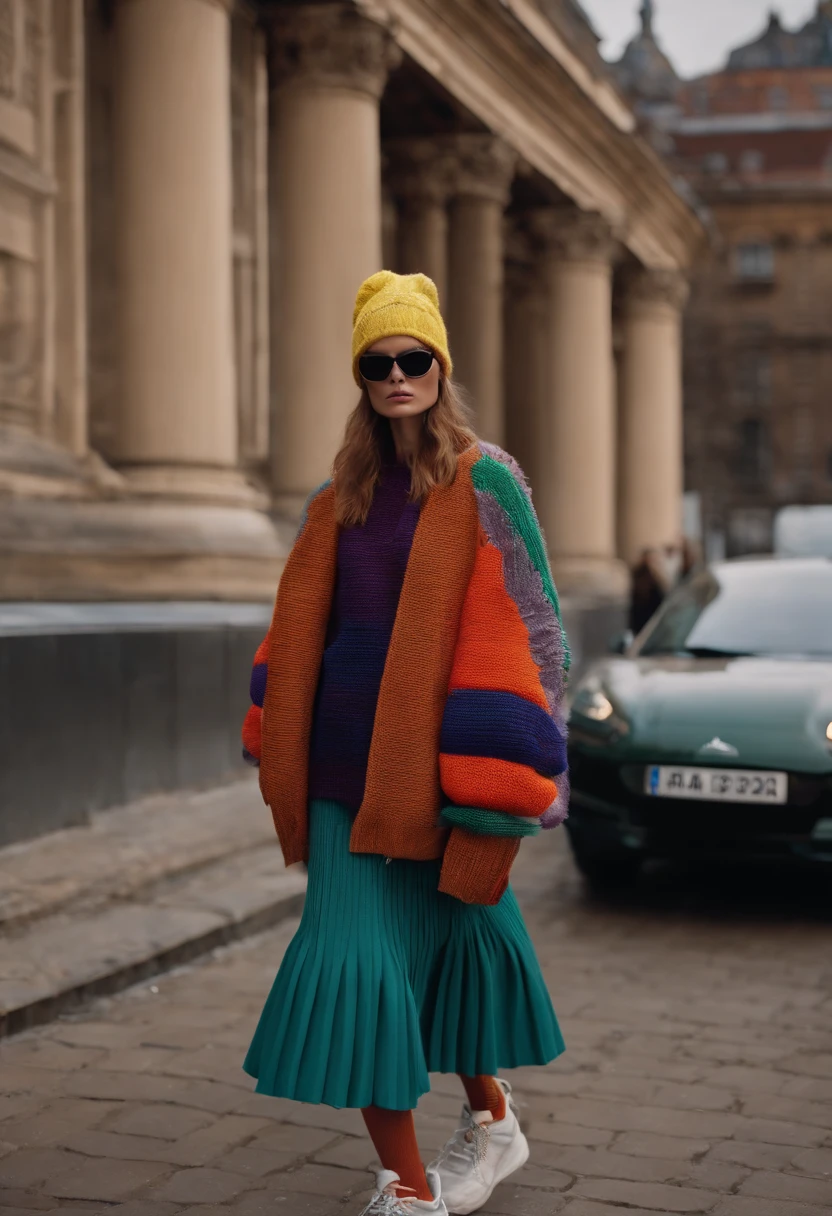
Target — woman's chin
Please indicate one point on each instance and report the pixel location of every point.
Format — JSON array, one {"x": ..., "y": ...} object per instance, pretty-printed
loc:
[{"x": 402, "y": 409}]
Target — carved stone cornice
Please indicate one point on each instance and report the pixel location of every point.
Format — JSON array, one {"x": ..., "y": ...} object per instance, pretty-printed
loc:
[
  {"x": 330, "y": 45},
  {"x": 574, "y": 236},
  {"x": 483, "y": 166},
  {"x": 663, "y": 288},
  {"x": 419, "y": 169}
]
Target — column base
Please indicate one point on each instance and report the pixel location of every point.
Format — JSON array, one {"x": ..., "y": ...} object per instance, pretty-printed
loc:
[
  {"x": 137, "y": 550},
  {"x": 34, "y": 467},
  {"x": 72, "y": 528},
  {"x": 207, "y": 484},
  {"x": 289, "y": 506},
  {"x": 591, "y": 579}
]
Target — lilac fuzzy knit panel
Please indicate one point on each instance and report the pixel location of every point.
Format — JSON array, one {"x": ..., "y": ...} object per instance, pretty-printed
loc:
[{"x": 372, "y": 560}]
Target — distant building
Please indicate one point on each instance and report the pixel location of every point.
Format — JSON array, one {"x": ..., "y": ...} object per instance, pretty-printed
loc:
[{"x": 755, "y": 142}]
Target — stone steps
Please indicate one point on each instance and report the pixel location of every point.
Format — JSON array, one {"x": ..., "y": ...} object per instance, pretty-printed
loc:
[{"x": 137, "y": 891}]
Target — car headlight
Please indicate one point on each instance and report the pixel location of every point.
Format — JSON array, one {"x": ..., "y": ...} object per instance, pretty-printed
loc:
[
  {"x": 602, "y": 721},
  {"x": 595, "y": 705},
  {"x": 829, "y": 732}
]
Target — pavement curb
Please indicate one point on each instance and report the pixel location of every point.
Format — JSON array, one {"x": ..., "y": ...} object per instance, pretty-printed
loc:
[
  {"x": 79, "y": 992},
  {"x": 135, "y": 892}
]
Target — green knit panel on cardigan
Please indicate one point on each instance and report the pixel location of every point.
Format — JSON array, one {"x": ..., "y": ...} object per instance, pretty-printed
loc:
[
  {"x": 491, "y": 477},
  {"x": 488, "y": 823}
]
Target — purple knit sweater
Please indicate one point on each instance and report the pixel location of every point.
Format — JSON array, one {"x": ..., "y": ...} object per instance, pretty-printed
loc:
[{"x": 372, "y": 560}]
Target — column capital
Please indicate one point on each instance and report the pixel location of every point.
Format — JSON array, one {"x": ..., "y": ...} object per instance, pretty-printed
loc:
[
  {"x": 483, "y": 166},
  {"x": 574, "y": 236},
  {"x": 331, "y": 45},
  {"x": 524, "y": 268},
  {"x": 664, "y": 288},
  {"x": 419, "y": 169}
]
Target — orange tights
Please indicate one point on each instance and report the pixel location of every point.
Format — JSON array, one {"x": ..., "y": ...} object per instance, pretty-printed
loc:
[
  {"x": 394, "y": 1135},
  {"x": 483, "y": 1093}
]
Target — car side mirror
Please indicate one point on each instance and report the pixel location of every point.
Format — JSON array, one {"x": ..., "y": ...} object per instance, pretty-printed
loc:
[{"x": 620, "y": 643}]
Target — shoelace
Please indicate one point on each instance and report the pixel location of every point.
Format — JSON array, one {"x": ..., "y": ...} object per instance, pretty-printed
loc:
[
  {"x": 389, "y": 1203},
  {"x": 466, "y": 1142}
]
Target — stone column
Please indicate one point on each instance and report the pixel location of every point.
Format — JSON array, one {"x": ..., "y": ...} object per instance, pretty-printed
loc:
[
  {"x": 650, "y": 393},
  {"x": 525, "y": 377},
  {"x": 577, "y": 503},
  {"x": 249, "y": 124},
  {"x": 389, "y": 231},
  {"x": 71, "y": 423},
  {"x": 419, "y": 174},
  {"x": 482, "y": 179},
  {"x": 328, "y": 67},
  {"x": 176, "y": 432}
]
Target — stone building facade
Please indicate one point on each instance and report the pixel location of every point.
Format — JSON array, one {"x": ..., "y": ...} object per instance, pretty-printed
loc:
[
  {"x": 755, "y": 142},
  {"x": 190, "y": 193}
]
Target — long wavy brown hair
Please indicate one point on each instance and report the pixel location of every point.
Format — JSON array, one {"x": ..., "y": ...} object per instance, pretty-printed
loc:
[{"x": 368, "y": 442}]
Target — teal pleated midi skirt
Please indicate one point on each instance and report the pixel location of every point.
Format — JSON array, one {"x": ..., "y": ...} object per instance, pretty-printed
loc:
[{"x": 387, "y": 980}]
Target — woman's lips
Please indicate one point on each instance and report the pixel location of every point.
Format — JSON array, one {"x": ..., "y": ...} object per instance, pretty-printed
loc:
[{"x": 400, "y": 397}]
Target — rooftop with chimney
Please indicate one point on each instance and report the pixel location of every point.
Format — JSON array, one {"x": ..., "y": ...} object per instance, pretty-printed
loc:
[
  {"x": 647, "y": 76},
  {"x": 644, "y": 71},
  {"x": 778, "y": 47},
  {"x": 768, "y": 110}
]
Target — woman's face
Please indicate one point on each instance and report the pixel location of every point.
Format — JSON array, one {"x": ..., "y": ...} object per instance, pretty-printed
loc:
[{"x": 397, "y": 396}]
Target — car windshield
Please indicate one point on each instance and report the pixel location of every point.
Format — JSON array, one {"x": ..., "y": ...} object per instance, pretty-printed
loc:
[{"x": 771, "y": 608}]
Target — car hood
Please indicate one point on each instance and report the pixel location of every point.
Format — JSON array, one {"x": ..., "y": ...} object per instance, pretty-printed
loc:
[{"x": 769, "y": 713}]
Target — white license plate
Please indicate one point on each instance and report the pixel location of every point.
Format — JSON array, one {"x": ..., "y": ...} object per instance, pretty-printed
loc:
[{"x": 716, "y": 784}]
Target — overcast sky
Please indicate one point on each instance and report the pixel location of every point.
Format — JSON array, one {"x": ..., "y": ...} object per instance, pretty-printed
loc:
[{"x": 696, "y": 34}]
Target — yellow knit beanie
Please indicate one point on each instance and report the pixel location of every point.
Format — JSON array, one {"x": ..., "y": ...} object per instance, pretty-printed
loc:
[{"x": 388, "y": 304}]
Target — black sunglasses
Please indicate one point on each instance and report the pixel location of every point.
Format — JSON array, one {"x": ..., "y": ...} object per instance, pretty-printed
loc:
[{"x": 411, "y": 363}]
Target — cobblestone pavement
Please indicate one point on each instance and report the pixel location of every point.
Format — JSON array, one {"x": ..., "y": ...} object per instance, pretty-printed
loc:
[{"x": 698, "y": 1076}]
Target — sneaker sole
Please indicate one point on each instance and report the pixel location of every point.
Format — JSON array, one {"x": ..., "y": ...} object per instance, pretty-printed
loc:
[{"x": 512, "y": 1162}]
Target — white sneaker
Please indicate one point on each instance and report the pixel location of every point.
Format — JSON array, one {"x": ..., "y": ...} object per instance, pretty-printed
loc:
[
  {"x": 387, "y": 1200},
  {"x": 479, "y": 1155}
]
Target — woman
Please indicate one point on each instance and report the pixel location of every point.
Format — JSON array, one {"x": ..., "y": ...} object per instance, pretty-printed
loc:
[{"x": 410, "y": 735}]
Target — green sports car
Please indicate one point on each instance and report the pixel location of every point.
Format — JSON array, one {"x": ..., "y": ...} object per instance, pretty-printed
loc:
[{"x": 711, "y": 736}]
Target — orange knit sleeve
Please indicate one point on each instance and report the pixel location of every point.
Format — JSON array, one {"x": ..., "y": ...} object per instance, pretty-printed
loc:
[{"x": 253, "y": 722}]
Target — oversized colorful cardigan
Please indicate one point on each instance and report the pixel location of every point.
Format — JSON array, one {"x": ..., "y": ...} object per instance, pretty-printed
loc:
[{"x": 468, "y": 751}]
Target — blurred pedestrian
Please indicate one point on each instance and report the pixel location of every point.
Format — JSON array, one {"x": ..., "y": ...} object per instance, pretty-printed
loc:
[
  {"x": 649, "y": 587},
  {"x": 693, "y": 557},
  {"x": 672, "y": 563},
  {"x": 411, "y": 732}
]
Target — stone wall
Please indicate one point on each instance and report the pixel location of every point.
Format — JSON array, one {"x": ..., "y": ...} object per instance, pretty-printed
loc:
[{"x": 111, "y": 704}]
